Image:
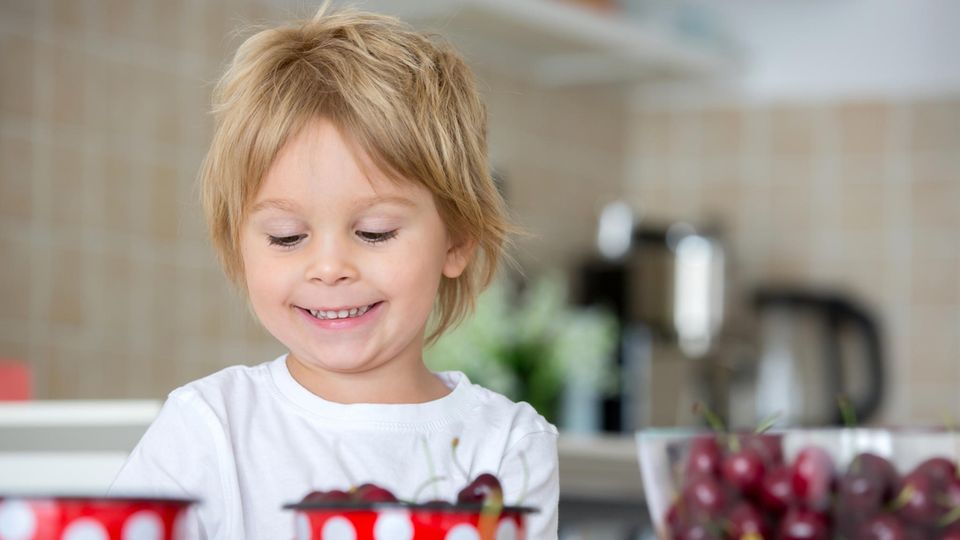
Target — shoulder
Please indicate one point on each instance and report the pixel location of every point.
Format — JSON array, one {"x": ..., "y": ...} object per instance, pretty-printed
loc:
[
  {"x": 497, "y": 411},
  {"x": 238, "y": 383}
]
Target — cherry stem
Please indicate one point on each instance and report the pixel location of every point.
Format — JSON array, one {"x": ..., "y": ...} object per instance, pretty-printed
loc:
[
  {"x": 526, "y": 478},
  {"x": 716, "y": 424},
  {"x": 433, "y": 475},
  {"x": 847, "y": 412},
  {"x": 456, "y": 461},
  {"x": 489, "y": 515},
  {"x": 767, "y": 423},
  {"x": 952, "y": 516},
  {"x": 902, "y": 498},
  {"x": 432, "y": 480}
]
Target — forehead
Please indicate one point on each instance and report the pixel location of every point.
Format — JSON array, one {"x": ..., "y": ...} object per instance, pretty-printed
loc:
[{"x": 319, "y": 160}]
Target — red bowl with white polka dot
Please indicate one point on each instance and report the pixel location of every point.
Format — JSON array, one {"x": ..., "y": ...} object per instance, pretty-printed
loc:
[
  {"x": 402, "y": 521},
  {"x": 91, "y": 518}
]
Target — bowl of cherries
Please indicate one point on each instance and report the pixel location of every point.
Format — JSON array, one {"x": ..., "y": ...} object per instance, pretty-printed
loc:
[
  {"x": 371, "y": 512},
  {"x": 799, "y": 484}
]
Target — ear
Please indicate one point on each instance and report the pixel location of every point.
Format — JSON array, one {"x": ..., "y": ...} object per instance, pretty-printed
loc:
[{"x": 459, "y": 255}]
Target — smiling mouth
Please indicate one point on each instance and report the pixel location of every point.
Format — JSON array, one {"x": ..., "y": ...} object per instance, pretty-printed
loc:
[{"x": 325, "y": 315}]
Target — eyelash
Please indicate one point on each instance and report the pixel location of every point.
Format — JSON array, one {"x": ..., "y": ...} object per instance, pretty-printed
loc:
[
  {"x": 286, "y": 241},
  {"x": 375, "y": 237},
  {"x": 368, "y": 237}
]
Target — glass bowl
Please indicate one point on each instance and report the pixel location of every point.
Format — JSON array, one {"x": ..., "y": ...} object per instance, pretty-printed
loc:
[{"x": 829, "y": 484}]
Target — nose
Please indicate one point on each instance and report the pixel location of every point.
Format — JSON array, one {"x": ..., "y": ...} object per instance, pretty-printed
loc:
[{"x": 332, "y": 262}]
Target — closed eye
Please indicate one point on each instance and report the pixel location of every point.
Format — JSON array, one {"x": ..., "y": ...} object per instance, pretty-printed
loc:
[
  {"x": 286, "y": 241},
  {"x": 376, "y": 237}
]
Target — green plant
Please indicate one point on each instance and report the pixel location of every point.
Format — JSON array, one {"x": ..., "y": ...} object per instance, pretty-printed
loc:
[{"x": 527, "y": 344}]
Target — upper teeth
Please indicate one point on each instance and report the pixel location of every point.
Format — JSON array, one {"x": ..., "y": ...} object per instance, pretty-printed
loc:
[{"x": 342, "y": 314}]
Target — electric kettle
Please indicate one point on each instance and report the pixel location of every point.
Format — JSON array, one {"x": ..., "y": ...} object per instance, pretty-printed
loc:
[{"x": 812, "y": 350}]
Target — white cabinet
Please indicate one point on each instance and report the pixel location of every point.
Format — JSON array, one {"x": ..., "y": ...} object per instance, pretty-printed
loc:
[{"x": 558, "y": 44}]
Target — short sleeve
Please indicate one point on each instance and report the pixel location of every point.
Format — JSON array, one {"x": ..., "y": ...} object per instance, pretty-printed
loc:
[
  {"x": 530, "y": 476},
  {"x": 179, "y": 456}
]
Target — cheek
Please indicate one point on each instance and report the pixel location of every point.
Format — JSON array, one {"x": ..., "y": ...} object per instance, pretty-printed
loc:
[{"x": 264, "y": 281}]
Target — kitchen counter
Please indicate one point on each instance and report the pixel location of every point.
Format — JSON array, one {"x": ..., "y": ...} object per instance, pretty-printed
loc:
[{"x": 80, "y": 444}]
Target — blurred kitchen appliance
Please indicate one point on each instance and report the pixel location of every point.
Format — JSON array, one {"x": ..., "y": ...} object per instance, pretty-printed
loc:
[
  {"x": 812, "y": 347},
  {"x": 666, "y": 285}
]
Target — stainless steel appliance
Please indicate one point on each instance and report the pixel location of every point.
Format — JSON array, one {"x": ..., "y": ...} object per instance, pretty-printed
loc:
[
  {"x": 667, "y": 285},
  {"x": 786, "y": 352},
  {"x": 812, "y": 348}
]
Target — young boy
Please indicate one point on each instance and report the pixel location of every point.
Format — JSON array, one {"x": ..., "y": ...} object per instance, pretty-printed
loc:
[{"x": 348, "y": 196}]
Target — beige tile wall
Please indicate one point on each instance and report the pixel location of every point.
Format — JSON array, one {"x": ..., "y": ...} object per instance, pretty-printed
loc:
[
  {"x": 860, "y": 196},
  {"x": 109, "y": 288},
  {"x": 108, "y": 285}
]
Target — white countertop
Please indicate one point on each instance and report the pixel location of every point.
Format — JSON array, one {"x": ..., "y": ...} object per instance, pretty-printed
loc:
[{"x": 81, "y": 444}]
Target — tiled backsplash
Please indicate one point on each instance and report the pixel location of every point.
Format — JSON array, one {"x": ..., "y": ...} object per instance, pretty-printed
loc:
[
  {"x": 109, "y": 287},
  {"x": 860, "y": 196}
]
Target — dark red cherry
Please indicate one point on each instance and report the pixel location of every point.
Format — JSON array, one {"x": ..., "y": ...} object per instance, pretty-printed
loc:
[
  {"x": 334, "y": 495},
  {"x": 860, "y": 492},
  {"x": 776, "y": 490},
  {"x": 939, "y": 469},
  {"x": 882, "y": 527},
  {"x": 813, "y": 477},
  {"x": 769, "y": 445},
  {"x": 744, "y": 470},
  {"x": 697, "y": 531},
  {"x": 703, "y": 496},
  {"x": 704, "y": 457},
  {"x": 951, "y": 533},
  {"x": 745, "y": 519},
  {"x": 804, "y": 524},
  {"x": 480, "y": 488},
  {"x": 675, "y": 517},
  {"x": 878, "y": 467},
  {"x": 917, "y": 499},
  {"x": 951, "y": 493},
  {"x": 373, "y": 493}
]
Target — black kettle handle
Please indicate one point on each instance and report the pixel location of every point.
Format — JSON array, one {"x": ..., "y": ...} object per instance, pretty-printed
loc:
[{"x": 844, "y": 312}]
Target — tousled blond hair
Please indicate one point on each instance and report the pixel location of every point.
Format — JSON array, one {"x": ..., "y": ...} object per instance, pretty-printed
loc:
[{"x": 406, "y": 98}]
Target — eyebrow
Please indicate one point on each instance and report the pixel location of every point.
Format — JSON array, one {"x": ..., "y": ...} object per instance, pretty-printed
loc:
[
  {"x": 277, "y": 204},
  {"x": 395, "y": 199},
  {"x": 288, "y": 205}
]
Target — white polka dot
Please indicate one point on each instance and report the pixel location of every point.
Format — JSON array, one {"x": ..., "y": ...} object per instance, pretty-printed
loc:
[
  {"x": 85, "y": 529},
  {"x": 393, "y": 525},
  {"x": 144, "y": 525},
  {"x": 17, "y": 520},
  {"x": 507, "y": 530},
  {"x": 302, "y": 526},
  {"x": 338, "y": 528},
  {"x": 463, "y": 532}
]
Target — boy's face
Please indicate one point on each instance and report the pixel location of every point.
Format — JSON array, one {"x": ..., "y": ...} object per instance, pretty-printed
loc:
[{"x": 342, "y": 265}]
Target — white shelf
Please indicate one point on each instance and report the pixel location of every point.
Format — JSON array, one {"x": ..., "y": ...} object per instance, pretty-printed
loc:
[{"x": 558, "y": 44}]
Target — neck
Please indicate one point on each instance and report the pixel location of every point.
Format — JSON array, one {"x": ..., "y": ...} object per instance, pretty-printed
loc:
[{"x": 385, "y": 384}]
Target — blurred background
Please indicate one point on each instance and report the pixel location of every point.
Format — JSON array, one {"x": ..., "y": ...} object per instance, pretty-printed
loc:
[{"x": 754, "y": 204}]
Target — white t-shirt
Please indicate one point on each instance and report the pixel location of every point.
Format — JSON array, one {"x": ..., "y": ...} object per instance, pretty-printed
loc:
[{"x": 247, "y": 440}]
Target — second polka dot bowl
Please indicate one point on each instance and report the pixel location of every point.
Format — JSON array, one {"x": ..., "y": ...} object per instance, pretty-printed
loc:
[
  {"x": 399, "y": 521},
  {"x": 99, "y": 518}
]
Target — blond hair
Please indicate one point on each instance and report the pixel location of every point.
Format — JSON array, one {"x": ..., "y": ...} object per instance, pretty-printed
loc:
[{"x": 407, "y": 98}]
